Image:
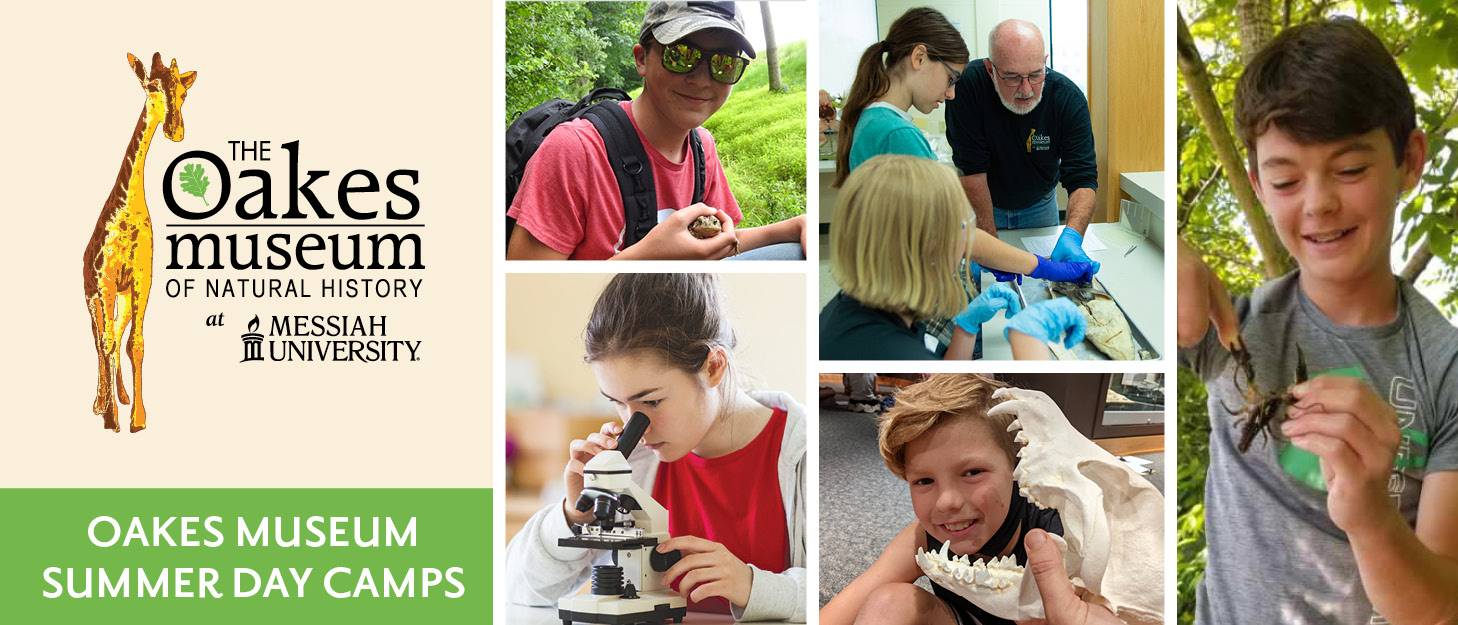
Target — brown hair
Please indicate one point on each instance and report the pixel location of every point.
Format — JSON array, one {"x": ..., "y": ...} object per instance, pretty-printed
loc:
[
  {"x": 922, "y": 26},
  {"x": 678, "y": 318},
  {"x": 943, "y": 398},
  {"x": 897, "y": 224},
  {"x": 1321, "y": 82}
]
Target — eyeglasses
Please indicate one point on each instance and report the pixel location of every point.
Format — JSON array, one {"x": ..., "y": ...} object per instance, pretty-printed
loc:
[
  {"x": 682, "y": 58},
  {"x": 1013, "y": 80},
  {"x": 956, "y": 75}
]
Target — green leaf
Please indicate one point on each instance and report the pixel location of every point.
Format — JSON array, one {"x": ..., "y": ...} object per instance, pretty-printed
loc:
[
  {"x": 1423, "y": 57},
  {"x": 1440, "y": 242},
  {"x": 194, "y": 180}
]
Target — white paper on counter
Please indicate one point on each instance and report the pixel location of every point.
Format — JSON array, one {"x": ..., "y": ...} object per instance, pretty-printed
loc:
[{"x": 1043, "y": 246}]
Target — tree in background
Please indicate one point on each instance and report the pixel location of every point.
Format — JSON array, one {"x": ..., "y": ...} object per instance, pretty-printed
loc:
[
  {"x": 617, "y": 23},
  {"x": 771, "y": 52},
  {"x": 565, "y": 49},
  {"x": 1219, "y": 215}
]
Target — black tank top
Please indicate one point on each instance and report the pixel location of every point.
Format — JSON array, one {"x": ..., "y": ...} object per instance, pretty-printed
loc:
[{"x": 1046, "y": 520}]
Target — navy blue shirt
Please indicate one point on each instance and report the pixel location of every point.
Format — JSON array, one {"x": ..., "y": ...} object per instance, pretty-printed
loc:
[
  {"x": 1022, "y": 155},
  {"x": 849, "y": 330}
]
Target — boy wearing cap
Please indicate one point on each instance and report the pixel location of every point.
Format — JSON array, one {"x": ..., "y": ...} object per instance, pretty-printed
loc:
[
  {"x": 1346, "y": 512},
  {"x": 569, "y": 205}
]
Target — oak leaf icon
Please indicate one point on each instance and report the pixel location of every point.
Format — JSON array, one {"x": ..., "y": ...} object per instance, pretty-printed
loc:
[{"x": 194, "y": 180}]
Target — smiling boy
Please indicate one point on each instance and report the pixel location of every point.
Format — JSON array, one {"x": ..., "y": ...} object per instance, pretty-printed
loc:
[
  {"x": 569, "y": 205},
  {"x": 1371, "y": 536},
  {"x": 958, "y": 463}
]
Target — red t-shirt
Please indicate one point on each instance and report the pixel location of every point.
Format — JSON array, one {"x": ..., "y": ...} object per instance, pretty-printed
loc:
[
  {"x": 733, "y": 500},
  {"x": 569, "y": 197}
]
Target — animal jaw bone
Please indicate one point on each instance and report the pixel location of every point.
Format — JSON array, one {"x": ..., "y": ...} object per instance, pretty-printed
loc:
[
  {"x": 1113, "y": 524},
  {"x": 996, "y": 586}
]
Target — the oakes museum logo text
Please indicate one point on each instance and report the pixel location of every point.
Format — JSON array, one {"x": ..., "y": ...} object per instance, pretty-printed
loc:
[{"x": 365, "y": 224}]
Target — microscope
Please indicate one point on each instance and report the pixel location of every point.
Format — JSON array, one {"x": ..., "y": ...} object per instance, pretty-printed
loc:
[{"x": 630, "y": 524}]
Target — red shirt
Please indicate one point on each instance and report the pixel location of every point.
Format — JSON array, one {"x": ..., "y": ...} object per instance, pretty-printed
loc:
[
  {"x": 733, "y": 500},
  {"x": 569, "y": 197}
]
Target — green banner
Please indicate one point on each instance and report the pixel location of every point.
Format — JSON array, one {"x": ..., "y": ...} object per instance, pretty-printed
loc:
[{"x": 245, "y": 555}]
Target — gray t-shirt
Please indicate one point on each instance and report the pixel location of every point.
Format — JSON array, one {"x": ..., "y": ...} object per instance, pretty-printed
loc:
[{"x": 1275, "y": 556}]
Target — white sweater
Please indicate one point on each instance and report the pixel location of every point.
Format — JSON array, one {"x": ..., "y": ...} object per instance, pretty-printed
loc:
[{"x": 539, "y": 571}]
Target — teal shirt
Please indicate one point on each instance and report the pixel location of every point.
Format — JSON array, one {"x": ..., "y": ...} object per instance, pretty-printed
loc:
[{"x": 882, "y": 131}]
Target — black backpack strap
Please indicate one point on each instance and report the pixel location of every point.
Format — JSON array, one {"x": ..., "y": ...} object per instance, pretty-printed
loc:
[
  {"x": 530, "y": 129},
  {"x": 631, "y": 166},
  {"x": 696, "y": 146}
]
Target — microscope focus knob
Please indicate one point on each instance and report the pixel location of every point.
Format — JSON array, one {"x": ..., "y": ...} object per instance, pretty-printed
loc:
[{"x": 661, "y": 561}]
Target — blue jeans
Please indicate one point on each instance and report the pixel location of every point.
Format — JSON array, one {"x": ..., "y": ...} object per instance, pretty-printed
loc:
[
  {"x": 776, "y": 251},
  {"x": 1041, "y": 214}
]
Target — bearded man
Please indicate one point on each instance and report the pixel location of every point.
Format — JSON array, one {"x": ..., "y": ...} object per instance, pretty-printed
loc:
[{"x": 1018, "y": 128}]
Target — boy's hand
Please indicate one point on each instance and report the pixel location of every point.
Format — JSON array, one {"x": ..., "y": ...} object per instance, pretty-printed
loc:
[
  {"x": 1354, "y": 432},
  {"x": 579, "y": 452},
  {"x": 671, "y": 239},
  {"x": 1202, "y": 300},
  {"x": 1060, "y": 605},
  {"x": 707, "y": 570}
]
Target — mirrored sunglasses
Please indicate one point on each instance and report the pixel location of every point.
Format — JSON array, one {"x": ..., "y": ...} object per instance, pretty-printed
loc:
[{"x": 681, "y": 58}]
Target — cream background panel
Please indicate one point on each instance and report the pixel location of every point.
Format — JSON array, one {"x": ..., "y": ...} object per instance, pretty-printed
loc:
[{"x": 373, "y": 86}]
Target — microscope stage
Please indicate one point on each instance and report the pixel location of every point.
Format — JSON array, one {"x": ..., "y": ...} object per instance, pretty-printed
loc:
[{"x": 612, "y": 544}]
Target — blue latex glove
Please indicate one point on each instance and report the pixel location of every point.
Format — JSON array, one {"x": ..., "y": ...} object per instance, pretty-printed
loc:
[
  {"x": 1074, "y": 271},
  {"x": 1003, "y": 276},
  {"x": 974, "y": 271},
  {"x": 1070, "y": 249},
  {"x": 1049, "y": 320},
  {"x": 982, "y": 309}
]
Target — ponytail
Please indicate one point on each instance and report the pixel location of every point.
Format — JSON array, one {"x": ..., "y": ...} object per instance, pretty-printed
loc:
[
  {"x": 872, "y": 81},
  {"x": 921, "y": 26}
]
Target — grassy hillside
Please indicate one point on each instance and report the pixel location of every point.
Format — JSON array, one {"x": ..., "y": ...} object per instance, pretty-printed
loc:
[{"x": 761, "y": 139}]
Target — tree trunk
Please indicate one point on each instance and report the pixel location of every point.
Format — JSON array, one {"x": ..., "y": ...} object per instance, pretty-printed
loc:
[
  {"x": 771, "y": 51},
  {"x": 1256, "y": 26},
  {"x": 1276, "y": 259}
]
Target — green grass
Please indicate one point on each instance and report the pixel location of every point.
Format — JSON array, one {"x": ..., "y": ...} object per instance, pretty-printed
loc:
[{"x": 760, "y": 135}]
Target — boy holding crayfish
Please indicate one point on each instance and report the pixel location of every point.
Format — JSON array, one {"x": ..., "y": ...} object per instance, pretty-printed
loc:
[{"x": 1347, "y": 512}]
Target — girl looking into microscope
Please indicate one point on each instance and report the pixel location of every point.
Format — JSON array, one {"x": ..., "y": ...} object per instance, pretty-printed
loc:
[{"x": 727, "y": 463}]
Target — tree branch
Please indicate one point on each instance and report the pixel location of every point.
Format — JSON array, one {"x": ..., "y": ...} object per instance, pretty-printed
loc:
[
  {"x": 1417, "y": 262},
  {"x": 1275, "y": 258}
]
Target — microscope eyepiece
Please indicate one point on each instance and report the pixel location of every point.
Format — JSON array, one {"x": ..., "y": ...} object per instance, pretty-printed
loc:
[{"x": 632, "y": 433}]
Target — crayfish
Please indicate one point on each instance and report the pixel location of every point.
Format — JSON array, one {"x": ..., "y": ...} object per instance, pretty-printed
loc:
[{"x": 1261, "y": 408}]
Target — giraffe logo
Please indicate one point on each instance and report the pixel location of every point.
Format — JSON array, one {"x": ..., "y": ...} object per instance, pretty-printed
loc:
[
  {"x": 1030, "y": 139},
  {"x": 117, "y": 269}
]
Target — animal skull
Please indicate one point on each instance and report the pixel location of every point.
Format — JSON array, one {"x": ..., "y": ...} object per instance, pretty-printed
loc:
[{"x": 1113, "y": 524}]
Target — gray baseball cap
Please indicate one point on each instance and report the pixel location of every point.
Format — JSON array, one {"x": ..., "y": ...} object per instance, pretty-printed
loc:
[{"x": 671, "y": 21}]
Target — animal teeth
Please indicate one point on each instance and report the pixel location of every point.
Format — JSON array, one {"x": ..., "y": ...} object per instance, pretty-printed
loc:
[
  {"x": 945, "y": 545},
  {"x": 1015, "y": 425},
  {"x": 1021, "y": 438}
]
